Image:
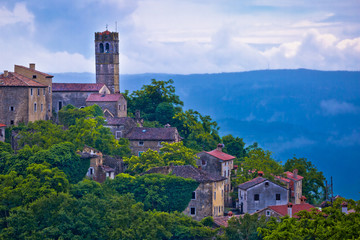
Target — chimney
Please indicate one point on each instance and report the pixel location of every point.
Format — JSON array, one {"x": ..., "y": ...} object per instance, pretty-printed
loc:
[
  {"x": 344, "y": 208},
  {"x": 6, "y": 73},
  {"x": 289, "y": 211},
  {"x": 303, "y": 199},
  {"x": 167, "y": 125},
  {"x": 220, "y": 147},
  {"x": 137, "y": 114},
  {"x": 230, "y": 213},
  {"x": 295, "y": 173},
  {"x": 32, "y": 66},
  {"x": 260, "y": 173}
]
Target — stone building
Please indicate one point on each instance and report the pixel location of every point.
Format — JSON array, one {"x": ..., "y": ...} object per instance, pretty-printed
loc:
[
  {"x": 208, "y": 198},
  {"x": 24, "y": 99},
  {"x": 101, "y": 166},
  {"x": 113, "y": 105},
  {"x": 219, "y": 163},
  {"x": 260, "y": 193},
  {"x": 75, "y": 93},
  {"x": 144, "y": 138},
  {"x": 2, "y": 132},
  {"x": 107, "y": 59},
  {"x": 120, "y": 127},
  {"x": 294, "y": 183},
  {"x": 288, "y": 209}
]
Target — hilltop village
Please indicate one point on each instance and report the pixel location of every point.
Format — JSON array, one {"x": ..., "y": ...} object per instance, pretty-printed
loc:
[{"x": 228, "y": 181}]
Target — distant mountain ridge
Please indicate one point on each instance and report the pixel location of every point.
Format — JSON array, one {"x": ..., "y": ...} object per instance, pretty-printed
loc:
[{"x": 310, "y": 113}]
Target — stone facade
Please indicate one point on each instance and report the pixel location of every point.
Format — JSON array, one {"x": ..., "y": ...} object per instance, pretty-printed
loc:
[
  {"x": 120, "y": 127},
  {"x": 107, "y": 59},
  {"x": 22, "y": 99},
  {"x": 113, "y": 105},
  {"x": 259, "y": 193},
  {"x": 207, "y": 199},
  {"x": 219, "y": 163},
  {"x": 2, "y": 132},
  {"x": 293, "y": 181},
  {"x": 75, "y": 94},
  {"x": 142, "y": 138}
]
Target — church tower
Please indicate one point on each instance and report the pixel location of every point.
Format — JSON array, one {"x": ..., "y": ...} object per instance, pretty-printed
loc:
[{"x": 107, "y": 59}]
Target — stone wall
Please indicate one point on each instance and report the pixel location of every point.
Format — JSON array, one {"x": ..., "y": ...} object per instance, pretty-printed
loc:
[
  {"x": 77, "y": 99},
  {"x": 14, "y": 105},
  {"x": 136, "y": 149},
  {"x": 202, "y": 202}
]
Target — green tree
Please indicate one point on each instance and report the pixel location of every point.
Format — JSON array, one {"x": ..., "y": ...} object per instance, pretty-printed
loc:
[
  {"x": 234, "y": 146},
  {"x": 69, "y": 114},
  {"x": 313, "y": 186}
]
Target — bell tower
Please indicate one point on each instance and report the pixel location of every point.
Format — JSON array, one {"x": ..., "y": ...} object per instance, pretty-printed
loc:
[{"x": 107, "y": 59}]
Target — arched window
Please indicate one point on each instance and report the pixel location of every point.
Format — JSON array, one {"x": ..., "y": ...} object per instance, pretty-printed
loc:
[
  {"x": 101, "y": 48},
  {"x": 107, "y": 47}
]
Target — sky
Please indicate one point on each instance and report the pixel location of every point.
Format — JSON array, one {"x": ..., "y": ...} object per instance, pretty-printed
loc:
[{"x": 182, "y": 36}]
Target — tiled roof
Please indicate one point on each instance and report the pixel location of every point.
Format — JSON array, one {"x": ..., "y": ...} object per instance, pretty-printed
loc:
[
  {"x": 77, "y": 87},
  {"x": 145, "y": 133},
  {"x": 251, "y": 183},
  {"x": 97, "y": 97},
  {"x": 2, "y": 125},
  {"x": 283, "y": 209},
  {"x": 17, "y": 80},
  {"x": 35, "y": 71},
  {"x": 282, "y": 179},
  {"x": 107, "y": 168},
  {"x": 221, "y": 155},
  {"x": 188, "y": 171},
  {"x": 291, "y": 176},
  {"x": 117, "y": 120},
  {"x": 223, "y": 220}
]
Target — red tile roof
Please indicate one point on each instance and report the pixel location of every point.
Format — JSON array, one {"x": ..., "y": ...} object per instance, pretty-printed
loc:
[
  {"x": 291, "y": 176},
  {"x": 282, "y": 179},
  {"x": 35, "y": 71},
  {"x": 2, "y": 125},
  {"x": 221, "y": 155},
  {"x": 17, "y": 80},
  {"x": 77, "y": 87},
  {"x": 105, "y": 32},
  {"x": 97, "y": 97},
  {"x": 283, "y": 209}
]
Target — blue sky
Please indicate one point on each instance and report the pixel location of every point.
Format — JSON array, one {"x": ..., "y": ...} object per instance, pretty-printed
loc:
[{"x": 173, "y": 36}]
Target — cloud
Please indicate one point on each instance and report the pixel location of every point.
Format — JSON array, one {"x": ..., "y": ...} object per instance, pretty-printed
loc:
[
  {"x": 20, "y": 14},
  {"x": 250, "y": 118},
  {"x": 349, "y": 140},
  {"x": 299, "y": 142},
  {"x": 334, "y": 107}
]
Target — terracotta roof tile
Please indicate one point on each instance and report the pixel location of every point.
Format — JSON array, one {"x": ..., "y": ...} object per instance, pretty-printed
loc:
[
  {"x": 187, "y": 171},
  {"x": 221, "y": 155},
  {"x": 291, "y": 176},
  {"x": 77, "y": 87},
  {"x": 35, "y": 71},
  {"x": 2, "y": 125},
  {"x": 97, "y": 97},
  {"x": 17, "y": 80},
  {"x": 144, "y": 133},
  {"x": 283, "y": 209},
  {"x": 252, "y": 183}
]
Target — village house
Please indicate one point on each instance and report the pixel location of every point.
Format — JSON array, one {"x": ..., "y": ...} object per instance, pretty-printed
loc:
[
  {"x": 113, "y": 105},
  {"x": 208, "y": 198},
  {"x": 2, "y": 132},
  {"x": 288, "y": 209},
  {"x": 260, "y": 193},
  {"x": 218, "y": 163},
  {"x": 25, "y": 95},
  {"x": 294, "y": 183},
  {"x": 75, "y": 93},
  {"x": 101, "y": 166}
]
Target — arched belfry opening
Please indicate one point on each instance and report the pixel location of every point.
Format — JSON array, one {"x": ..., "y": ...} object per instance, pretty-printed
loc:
[{"x": 107, "y": 65}]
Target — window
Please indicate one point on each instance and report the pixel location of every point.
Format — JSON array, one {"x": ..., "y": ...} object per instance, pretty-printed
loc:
[
  {"x": 203, "y": 162},
  {"x": 107, "y": 47},
  {"x": 193, "y": 195},
  {"x": 192, "y": 211},
  {"x": 256, "y": 197},
  {"x": 139, "y": 153},
  {"x": 35, "y": 107},
  {"x": 12, "y": 122},
  {"x": 34, "y": 76},
  {"x": 118, "y": 134},
  {"x": 11, "y": 108},
  {"x": 101, "y": 47},
  {"x": 41, "y": 107},
  {"x": 124, "y": 107},
  {"x": 60, "y": 105},
  {"x": 119, "y": 107},
  {"x": 224, "y": 173},
  {"x": 31, "y": 91},
  {"x": 278, "y": 197},
  {"x": 49, "y": 90},
  {"x": 214, "y": 195},
  {"x": 38, "y": 91},
  {"x": 44, "y": 91},
  {"x": 141, "y": 143},
  {"x": 266, "y": 184},
  {"x": 268, "y": 213},
  {"x": 214, "y": 210},
  {"x": 91, "y": 171}
]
